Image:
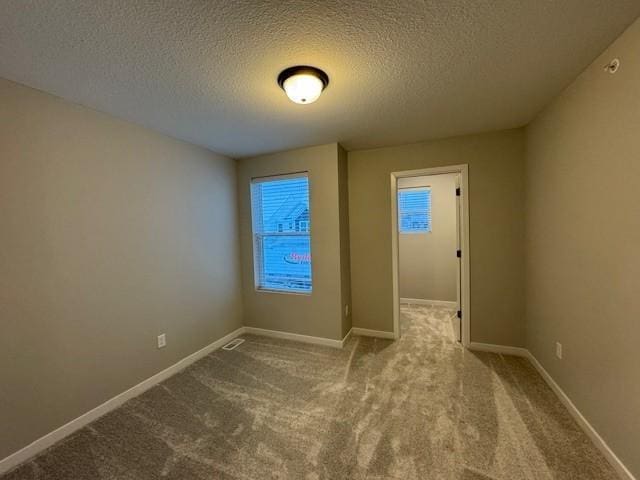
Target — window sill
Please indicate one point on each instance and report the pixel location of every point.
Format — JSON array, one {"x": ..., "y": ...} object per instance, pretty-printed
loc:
[{"x": 283, "y": 292}]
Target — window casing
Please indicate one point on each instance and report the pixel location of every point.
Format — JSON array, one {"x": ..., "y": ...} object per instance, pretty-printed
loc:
[
  {"x": 282, "y": 233},
  {"x": 414, "y": 210}
]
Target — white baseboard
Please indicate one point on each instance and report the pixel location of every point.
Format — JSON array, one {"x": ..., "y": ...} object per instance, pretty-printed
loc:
[
  {"x": 503, "y": 349},
  {"x": 58, "y": 434},
  {"x": 327, "y": 342},
  {"x": 346, "y": 337},
  {"x": 365, "y": 332},
  {"x": 591, "y": 432},
  {"x": 435, "y": 303},
  {"x": 67, "y": 429},
  {"x": 53, "y": 437},
  {"x": 594, "y": 436}
]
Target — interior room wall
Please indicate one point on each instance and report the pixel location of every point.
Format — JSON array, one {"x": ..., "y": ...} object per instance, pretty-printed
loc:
[
  {"x": 320, "y": 313},
  {"x": 110, "y": 234},
  {"x": 427, "y": 261},
  {"x": 496, "y": 168},
  {"x": 345, "y": 255},
  {"x": 582, "y": 237}
]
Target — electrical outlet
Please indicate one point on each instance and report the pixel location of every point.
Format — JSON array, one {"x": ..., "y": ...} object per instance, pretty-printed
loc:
[
  {"x": 559, "y": 350},
  {"x": 346, "y": 310},
  {"x": 162, "y": 340}
]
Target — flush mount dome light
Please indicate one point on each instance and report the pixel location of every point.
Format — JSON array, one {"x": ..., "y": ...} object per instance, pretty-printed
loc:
[{"x": 303, "y": 84}]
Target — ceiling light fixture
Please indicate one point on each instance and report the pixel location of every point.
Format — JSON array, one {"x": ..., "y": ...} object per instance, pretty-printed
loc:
[{"x": 303, "y": 84}]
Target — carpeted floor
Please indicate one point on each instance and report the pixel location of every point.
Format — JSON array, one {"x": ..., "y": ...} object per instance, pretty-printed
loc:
[{"x": 420, "y": 408}]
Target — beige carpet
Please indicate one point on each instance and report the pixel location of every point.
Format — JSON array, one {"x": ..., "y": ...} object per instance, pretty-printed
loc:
[{"x": 420, "y": 408}]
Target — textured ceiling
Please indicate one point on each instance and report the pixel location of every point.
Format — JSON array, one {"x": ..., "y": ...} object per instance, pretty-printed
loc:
[{"x": 401, "y": 71}]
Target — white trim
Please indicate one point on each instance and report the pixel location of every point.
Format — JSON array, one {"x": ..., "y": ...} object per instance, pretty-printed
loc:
[
  {"x": 258, "y": 236},
  {"x": 591, "y": 432},
  {"x": 365, "y": 332},
  {"x": 465, "y": 299},
  {"x": 58, "y": 434},
  {"x": 327, "y": 342},
  {"x": 346, "y": 337},
  {"x": 67, "y": 429},
  {"x": 435, "y": 303},
  {"x": 280, "y": 176},
  {"x": 501, "y": 349},
  {"x": 283, "y": 292}
]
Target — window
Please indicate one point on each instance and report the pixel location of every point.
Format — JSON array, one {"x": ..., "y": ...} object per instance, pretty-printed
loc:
[
  {"x": 281, "y": 233},
  {"x": 414, "y": 210}
]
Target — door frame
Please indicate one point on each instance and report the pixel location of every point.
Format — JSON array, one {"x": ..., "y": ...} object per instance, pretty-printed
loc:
[{"x": 463, "y": 222}]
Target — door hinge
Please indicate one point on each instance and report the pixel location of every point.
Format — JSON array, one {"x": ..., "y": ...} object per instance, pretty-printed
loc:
[
  {"x": 458, "y": 192},
  {"x": 459, "y": 313},
  {"x": 459, "y": 253}
]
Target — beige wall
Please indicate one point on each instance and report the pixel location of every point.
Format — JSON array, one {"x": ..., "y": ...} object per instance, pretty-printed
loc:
[
  {"x": 110, "y": 234},
  {"x": 582, "y": 237},
  {"x": 496, "y": 164},
  {"x": 320, "y": 313},
  {"x": 345, "y": 254},
  {"x": 428, "y": 264}
]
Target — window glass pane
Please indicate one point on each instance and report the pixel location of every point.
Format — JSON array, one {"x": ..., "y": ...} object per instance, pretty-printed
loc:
[
  {"x": 281, "y": 227},
  {"x": 281, "y": 205},
  {"x": 414, "y": 210},
  {"x": 286, "y": 263}
]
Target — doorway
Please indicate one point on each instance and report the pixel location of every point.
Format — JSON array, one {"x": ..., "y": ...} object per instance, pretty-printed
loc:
[{"x": 430, "y": 238}]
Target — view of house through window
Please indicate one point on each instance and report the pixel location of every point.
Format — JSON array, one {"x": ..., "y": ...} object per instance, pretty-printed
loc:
[
  {"x": 281, "y": 233},
  {"x": 414, "y": 210}
]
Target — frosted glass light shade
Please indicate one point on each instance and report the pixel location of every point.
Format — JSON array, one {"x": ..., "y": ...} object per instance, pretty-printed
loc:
[
  {"x": 303, "y": 88},
  {"x": 303, "y": 84}
]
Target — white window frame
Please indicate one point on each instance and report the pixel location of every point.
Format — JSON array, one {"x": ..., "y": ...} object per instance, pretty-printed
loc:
[{"x": 258, "y": 237}]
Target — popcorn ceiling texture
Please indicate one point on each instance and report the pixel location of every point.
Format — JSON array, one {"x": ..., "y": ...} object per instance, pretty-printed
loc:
[{"x": 205, "y": 71}]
